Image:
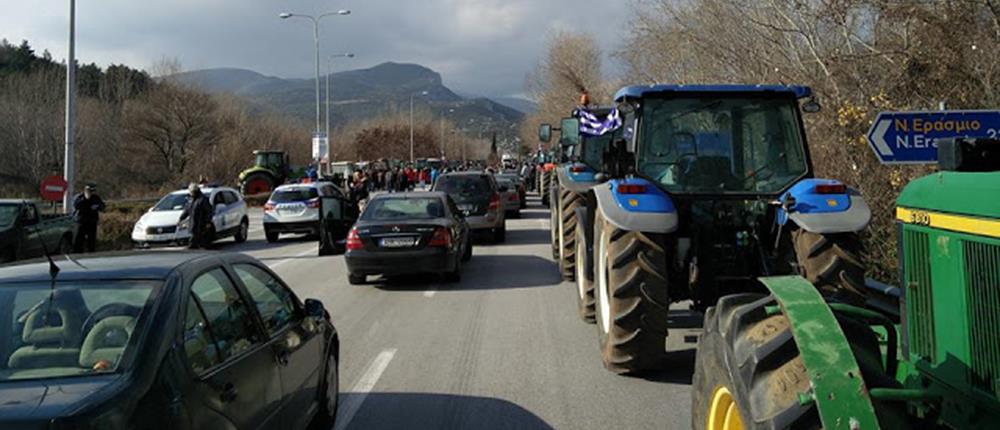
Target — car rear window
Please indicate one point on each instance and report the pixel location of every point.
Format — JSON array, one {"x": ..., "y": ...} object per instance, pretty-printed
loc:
[
  {"x": 464, "y": 185},
  {"x": 70, "y": 328},
  {"x": 396, "y": 209},
  {"x": 294, "y": 195}
]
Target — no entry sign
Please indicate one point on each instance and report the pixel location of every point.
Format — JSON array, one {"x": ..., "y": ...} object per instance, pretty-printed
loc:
[{"x": 53, "y": 188}]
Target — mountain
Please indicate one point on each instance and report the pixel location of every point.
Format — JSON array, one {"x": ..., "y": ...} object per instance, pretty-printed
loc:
[
  {"x": 517, "y": 103},
  {"x": 355, "y": 94}
]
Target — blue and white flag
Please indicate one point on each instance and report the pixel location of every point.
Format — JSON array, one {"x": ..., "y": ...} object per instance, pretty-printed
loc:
[{"x": 593, "y": 125}]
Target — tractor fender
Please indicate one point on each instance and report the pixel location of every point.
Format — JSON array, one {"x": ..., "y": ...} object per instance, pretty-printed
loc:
[
  {"x": 577, "y": 182},
  {"x": 825, "y": 213},
  {"x": 252, "y": 170},
  {"x": 651, "y": 211}
]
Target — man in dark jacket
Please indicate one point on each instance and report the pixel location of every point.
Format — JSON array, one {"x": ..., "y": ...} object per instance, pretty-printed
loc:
[
  {"x": 87, "y": 207},
  {"x": 200, "y": 211}
]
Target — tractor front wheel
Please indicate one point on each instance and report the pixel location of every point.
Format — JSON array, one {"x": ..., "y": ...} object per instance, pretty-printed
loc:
[{"x": 257, "y": 183}]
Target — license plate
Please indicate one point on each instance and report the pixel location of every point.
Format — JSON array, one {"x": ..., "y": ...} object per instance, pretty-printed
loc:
[{"x": 397, "y": 242}]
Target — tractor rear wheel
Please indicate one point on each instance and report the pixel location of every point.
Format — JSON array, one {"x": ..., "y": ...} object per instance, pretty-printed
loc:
[
  {"x": 554, "y": 232},
  {"x": 257, "y": 183},
  {"x": 748, "y": 370},
  {"x": 568, "y": 202},
  {"x": 832, "y": 262},
  {"x": 544, "y": 188},
  {"x": 584, "y": 279},
  {"x": 632, "y": 298}
]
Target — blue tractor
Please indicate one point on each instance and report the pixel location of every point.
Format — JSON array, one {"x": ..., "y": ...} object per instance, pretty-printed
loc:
[{"x": 708, "y": 187}]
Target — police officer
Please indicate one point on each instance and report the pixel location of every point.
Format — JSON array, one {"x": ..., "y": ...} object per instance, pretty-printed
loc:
[
  {"x": 200, "y": 211},
  {"x": 87, "y": 207}
]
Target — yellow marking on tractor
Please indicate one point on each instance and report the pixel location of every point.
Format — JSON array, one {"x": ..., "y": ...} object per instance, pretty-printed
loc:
[
  {"x": 633, "y": 202},
  {"x": 959, "y": 223}
]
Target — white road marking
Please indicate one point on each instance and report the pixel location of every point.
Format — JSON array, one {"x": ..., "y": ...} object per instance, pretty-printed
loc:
[
  {"x": 350, "y": 405},
  {"x": 429, "y": 293},
  {"x": 301, "y": 254}
]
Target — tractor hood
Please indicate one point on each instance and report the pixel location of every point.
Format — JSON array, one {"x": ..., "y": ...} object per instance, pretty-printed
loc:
[{"x": 964, "y": 193}]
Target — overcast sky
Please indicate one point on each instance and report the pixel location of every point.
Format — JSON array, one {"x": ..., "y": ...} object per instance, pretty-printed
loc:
[{"x": 479, "y": 46}]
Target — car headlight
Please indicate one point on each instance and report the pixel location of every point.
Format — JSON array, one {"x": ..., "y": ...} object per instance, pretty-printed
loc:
[{"x": 139, "y": 226}]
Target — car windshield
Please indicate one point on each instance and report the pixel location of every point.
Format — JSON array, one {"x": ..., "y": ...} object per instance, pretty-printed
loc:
[
  {"x": 721, "y": 145},
  {"x": 8, "y": 213},
  {"x": 294, "y": 195},
  {"x": 464, "y": 188},
  {"x": 74, "y": 329},
  {"x": 171, "y": 202},
  {"x": 396, "y": 209}
]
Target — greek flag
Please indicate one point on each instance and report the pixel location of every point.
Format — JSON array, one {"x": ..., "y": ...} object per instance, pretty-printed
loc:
[{"x": 593, "y": 125}]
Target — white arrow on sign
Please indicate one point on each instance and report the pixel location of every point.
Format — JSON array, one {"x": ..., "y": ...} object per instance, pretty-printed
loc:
[{"x": 878, "y": 137}]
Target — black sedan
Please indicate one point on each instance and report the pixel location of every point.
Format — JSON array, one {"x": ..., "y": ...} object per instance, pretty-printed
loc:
[
  {"x": 408, "y": 233},
  {"x": 162, "y": 340}
]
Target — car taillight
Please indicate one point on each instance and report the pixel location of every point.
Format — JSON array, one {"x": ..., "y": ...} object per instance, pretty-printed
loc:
[
  {"x": 441, "y": 238},
  {"x": 354, "y": 240},
  {"x": 312, "y": 203},
  {"x": 831, "y": 189},
  {"x": 631, "y": 189},
  {"x": 495, "y": 202},
  {"x": 269, "y": 207}
]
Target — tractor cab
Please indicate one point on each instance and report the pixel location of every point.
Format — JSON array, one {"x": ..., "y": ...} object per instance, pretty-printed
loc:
[{"x": 276, "y": 161}]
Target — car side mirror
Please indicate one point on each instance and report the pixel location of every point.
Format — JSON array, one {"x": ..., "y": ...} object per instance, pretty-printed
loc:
[
  {"x": 811, "y": 106},
  {"x": 545, "y": 133},
  {"x": 314, "y": 308}
]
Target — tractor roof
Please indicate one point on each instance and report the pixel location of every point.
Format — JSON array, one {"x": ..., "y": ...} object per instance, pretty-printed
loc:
[
  {"x": 639, "y": 91},
  {"x": 963, "y": 193}
]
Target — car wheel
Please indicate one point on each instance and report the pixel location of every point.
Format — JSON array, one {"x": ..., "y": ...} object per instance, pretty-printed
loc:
[
  {"x": 272, "y": 236},
  {"x": 329, "y": 390},
  {"x": 467, "y": 255},
  {"x": 356, "y": 279},
  {"x": 243, "y": 231},
  {"x": 500, "y": 234}
]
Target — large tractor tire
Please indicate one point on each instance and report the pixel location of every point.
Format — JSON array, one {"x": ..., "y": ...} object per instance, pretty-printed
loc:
[
  {"x": 632, "y": 298},
  {"x": 748, "y": 373},
  {"x": 554, "y": 233},
  {"x": 544, "y": 191},
  {"x": 568, "y": 202},
  {"x": 584, "y": 279},
  {"x": 257, "y": 183},
  {"x": 833, "y": 263}
]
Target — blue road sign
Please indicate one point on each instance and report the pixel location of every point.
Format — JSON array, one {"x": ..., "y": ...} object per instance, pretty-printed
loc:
[{"x": 911, "y": 137}]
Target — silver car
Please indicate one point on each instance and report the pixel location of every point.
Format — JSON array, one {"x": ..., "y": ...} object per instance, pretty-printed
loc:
[{"x": 294, "y": 209}]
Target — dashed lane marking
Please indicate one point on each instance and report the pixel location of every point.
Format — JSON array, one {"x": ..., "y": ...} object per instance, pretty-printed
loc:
[{"x": 351, "y": 403}]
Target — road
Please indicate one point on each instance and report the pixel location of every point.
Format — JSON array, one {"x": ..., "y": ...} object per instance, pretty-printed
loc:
[{"x": 503, "y": 349}]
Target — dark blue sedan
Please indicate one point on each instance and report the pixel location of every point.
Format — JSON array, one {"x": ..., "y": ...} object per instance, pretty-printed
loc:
[{"x": 162, "y": 340}]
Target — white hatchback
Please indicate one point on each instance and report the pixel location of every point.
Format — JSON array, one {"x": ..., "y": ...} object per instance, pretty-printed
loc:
[
  {"x": 294, "y": 209},
  {"x": 161, "y": 224}
]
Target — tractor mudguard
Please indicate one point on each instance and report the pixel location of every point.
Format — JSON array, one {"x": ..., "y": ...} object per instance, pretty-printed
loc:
[
  {"x": 650, "y": 211},
  {"x": 825, "y": 213},
  {"x": 576, "y": 177},
  {"x": 839, "y": 390},
  {"x": 253, "y": 170}
]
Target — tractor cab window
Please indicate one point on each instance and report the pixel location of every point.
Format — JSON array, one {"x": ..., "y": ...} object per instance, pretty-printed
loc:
[
  {"x": 592, "y": 148},
  {"x": 721, "y": 145},
  {"x": 270, "y": 159}
]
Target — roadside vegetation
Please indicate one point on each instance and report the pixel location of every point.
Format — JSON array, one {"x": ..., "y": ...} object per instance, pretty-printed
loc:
[{"x": 860, "y": 57}]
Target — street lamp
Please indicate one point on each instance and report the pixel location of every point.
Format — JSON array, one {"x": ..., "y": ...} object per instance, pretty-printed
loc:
[
  {"x": 443, "y": 113},
  {"x": 332, "y": 57},
  {"x": 422, "y": 93},
  {"x": 315, "y": 21},
  {"x": 70, "y": 109}
]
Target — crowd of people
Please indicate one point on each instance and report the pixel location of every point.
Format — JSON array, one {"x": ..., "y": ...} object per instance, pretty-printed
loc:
[{"x": 379, "y": 177}]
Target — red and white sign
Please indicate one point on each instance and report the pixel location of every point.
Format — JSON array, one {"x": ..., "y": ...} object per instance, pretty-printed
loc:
[{"x": 53, "y": 188}]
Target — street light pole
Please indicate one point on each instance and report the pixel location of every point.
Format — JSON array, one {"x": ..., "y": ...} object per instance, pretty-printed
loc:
[
  {"x": 329, "y": 161},
  {"x": 68, "y": 159},
  {"x": 423, "y": 93},
  {"x": 315, "y": 21}
]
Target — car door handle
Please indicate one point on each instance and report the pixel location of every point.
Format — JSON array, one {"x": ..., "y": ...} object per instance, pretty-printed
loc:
[{"x": 227, "y": 393}]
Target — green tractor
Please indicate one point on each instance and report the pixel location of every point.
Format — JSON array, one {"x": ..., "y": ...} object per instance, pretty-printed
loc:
[
  {"x": 792, "y": 359},
  {"x": 271, "y": 168}
]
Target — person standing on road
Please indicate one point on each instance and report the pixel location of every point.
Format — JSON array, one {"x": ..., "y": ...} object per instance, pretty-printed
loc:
[
  {"x": 87, "y": 207},
  {"x": 200, "y": 211}
]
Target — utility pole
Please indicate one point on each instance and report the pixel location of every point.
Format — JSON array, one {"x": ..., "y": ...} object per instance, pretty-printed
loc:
[{"x": 70, "y": 110}]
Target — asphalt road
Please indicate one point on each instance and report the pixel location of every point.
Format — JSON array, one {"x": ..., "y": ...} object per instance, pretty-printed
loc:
[{"x": 503, "y": 349}]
